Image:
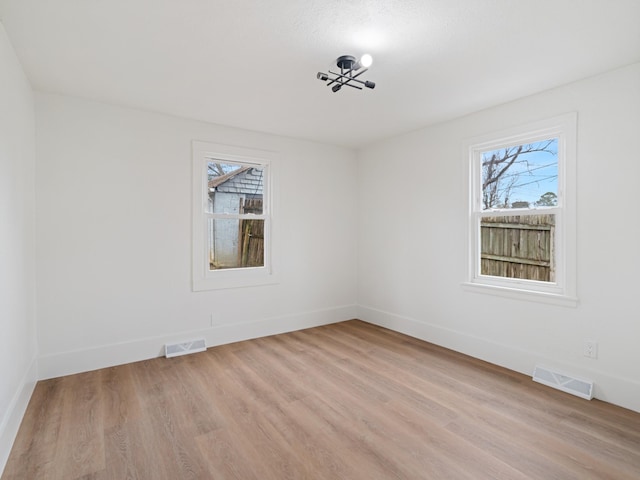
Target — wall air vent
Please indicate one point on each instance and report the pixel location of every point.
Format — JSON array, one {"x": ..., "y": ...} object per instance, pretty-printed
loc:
[
  {"x": 562, "y": 381},
  {"x": 183, "y": 348}
]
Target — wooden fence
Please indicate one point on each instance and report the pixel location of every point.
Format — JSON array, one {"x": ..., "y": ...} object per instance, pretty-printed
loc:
[
  {"x": 518, "y": 247},
  {"x": 251, "y": 235}
]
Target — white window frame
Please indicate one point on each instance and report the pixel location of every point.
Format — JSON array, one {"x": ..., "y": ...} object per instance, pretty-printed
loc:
[
  {"x": 563, "y": 290},
  {"x": 202, "y": 277}
]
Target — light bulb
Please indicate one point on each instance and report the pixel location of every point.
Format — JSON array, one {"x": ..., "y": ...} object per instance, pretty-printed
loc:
[{"x": 366, "y": 60}]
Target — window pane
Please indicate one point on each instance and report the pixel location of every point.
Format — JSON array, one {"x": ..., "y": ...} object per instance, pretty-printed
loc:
[
  {"x": 235, "y": 243},
  {"x": 235, "y": 188},
  {"x": 521, "y": 176},
  {"x": 518, "y": 246}
]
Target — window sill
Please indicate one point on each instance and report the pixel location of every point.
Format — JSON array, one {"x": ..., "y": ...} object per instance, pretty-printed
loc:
[
  {"x": 520, "y": 294},
  {"x": 236, "y": 278}
]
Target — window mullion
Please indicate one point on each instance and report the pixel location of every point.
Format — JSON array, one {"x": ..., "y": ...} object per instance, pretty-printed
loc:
[{"x": 237, "y": 216}]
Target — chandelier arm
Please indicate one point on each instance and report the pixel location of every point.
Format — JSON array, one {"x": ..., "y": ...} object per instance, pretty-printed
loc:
[
  {"x": 344, "y": 74},
  {"x": 351, "y": 71},
  {"x": 348, "y": 77},
  {"x": 340, "y": 79},
  {"x": 360, "y": 72},
  {"x": 335, "y": 80}
]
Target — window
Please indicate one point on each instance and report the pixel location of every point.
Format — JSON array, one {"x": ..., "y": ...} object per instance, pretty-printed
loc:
[
  {"x": 235, "y": 214},
  {"x": 232, "y": 216},
  {"x": 522, "y": 212}
]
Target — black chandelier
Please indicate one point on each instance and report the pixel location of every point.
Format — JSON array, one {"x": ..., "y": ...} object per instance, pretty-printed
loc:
[{"x": 350, "y": 70}]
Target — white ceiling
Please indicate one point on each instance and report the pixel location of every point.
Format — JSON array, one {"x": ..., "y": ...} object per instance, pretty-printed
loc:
[{"x": 253, "y": 63}]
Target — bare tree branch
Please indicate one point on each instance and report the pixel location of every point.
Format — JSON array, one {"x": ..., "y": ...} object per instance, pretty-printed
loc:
[{"x": 495, "y": 168}]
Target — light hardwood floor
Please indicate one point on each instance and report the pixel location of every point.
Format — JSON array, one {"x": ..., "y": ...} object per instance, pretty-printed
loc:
[{"x": 343, "y": 401}]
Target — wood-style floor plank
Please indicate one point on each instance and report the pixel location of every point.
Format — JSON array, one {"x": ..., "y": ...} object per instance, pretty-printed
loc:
[
  {"x": 80, "y": 447},
  {"x": 342, "y": 401}
]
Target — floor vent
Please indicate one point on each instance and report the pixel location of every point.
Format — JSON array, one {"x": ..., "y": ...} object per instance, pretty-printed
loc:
[
  {"x": 183, "y": 348},
  {"x": 561, "y": 381}
]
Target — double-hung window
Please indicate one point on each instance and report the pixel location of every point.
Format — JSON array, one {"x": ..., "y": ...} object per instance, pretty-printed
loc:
[
  {"x": 522, "y": 212},
  {"x": 232, "y": 216}
]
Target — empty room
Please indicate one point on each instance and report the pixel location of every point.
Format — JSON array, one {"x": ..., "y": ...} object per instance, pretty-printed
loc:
[{"x": 319, "y": 239}]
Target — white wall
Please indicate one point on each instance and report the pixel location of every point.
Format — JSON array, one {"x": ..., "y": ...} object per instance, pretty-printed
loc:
[
  {"x": 17, "y": 279},
  {"x": 114, "y": 237},
  {"x": 412, "y": 248}
]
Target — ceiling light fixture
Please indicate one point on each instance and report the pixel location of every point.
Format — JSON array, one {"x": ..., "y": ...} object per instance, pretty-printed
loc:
[{"x": 350, "y": 69}]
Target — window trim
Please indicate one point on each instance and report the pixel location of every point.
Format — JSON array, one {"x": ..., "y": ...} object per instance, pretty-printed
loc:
[
  {"x": 202, "y": 277},
  {"x": 563, "y": 290}
]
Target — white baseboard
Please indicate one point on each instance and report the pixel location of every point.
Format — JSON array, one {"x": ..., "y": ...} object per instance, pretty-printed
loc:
[
  {"x": 619, "y": 391},
  {"x": 68, "y": 363},
  {"x": 10, "y": 421}
]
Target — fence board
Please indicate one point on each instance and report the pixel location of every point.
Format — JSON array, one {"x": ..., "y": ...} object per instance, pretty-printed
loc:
[
  {"x": 251, "y": 252},
  {"x": 518, "y": 246}
]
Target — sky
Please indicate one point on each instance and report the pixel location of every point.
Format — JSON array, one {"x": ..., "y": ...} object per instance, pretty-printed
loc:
[{"x": 536, "y": 173}]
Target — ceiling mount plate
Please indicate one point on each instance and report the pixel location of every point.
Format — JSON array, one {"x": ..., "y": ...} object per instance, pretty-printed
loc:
[{"x": 346, "y": 62}]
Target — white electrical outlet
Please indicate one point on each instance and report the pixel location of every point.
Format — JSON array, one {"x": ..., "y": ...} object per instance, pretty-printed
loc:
[{"x": 591, "y": 348}]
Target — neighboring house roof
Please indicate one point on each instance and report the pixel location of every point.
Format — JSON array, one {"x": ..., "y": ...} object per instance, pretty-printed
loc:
[
  {"x": 245, "y": 180},
  {"x": 213, "y": 183}
]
